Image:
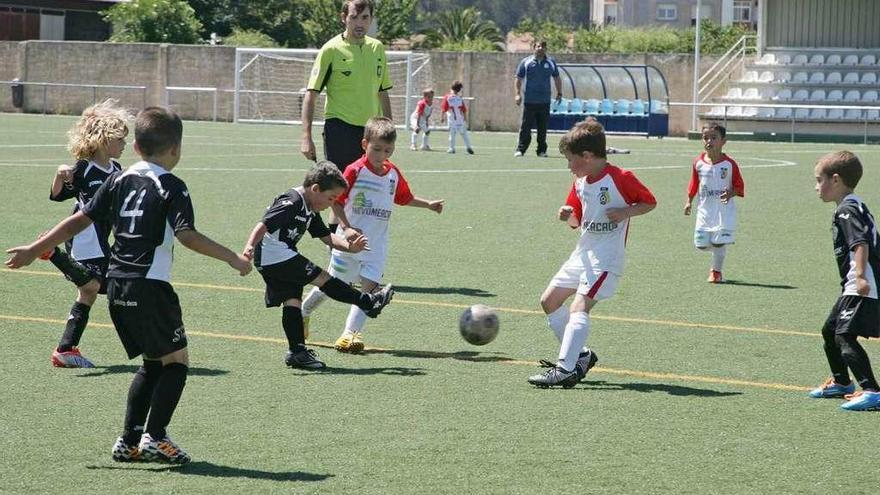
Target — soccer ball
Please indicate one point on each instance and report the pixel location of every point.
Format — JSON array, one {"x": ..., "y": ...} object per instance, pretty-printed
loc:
[{"x": 478, "y": 324}]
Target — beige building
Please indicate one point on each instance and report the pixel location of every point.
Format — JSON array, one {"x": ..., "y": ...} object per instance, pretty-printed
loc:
[{"x": 672, "y": 13}]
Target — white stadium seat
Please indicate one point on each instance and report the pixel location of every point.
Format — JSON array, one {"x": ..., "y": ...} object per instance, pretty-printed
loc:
[
  {"x": 783, "y": 59},
  {"x": 734, "y": 93},
  {"x": 817, "y": 59},
  {"x": 717, "y": 111},
  {"x": 801, "y": 113},
  {"x": 869, "y": 59},
  {"x": 750, "y": 76},
  {"x": 818, "y": 114},
  {"x": 833, "y": 78},
  {"x": 852, "y": 95},
  {"x": 751, "y": 94},
  {"x": 818, "y": 95},
  {"x": 765, "y": 113},
  {"x": 766, "y": 77},
  {"x": 869, "y": 96},
  {"x": 853, "y": 114},
  {"x": 834, "y": 95},
  {"x": 750, "y": 112},
  {"x": 783, "y": 77},
  {"x": 783, "y": 113},
  {"x": 851, "y": 78},
  {"x": 801, "y": 95},
  {"x": 800, "y": 59},
  {"x": 869, "y": 78},
  {"x": 736, "y": 111},
  {"x": 873, "y": 115},
  {"x": 783, "y": 95},
  {"x": 833, "y": 60},
  {"x": 851, "y": 60},
  {"x": 834, "y": 114},
  {"x": 767, "y": 59},
  {"x": 817, "y": 78},
  {"x": 800, "y": 78}
]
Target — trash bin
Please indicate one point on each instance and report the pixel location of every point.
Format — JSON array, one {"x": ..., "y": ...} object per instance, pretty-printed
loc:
[{"x": 17, "y": 94}]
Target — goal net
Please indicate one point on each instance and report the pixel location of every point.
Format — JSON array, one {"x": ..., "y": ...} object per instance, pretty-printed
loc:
[{"x": 270, "y": 84}]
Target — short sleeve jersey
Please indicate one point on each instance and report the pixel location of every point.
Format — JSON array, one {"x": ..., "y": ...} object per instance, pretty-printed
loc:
[
  {"x": 369, "y": 202},
  {"x": 602, "y": 241},
  {"x": 456, "y": 111},
  {"x": 708, "y": 181},
  {"x": 536, "y": 74},
  {"x": 287, "y": 219},
  {"x": 147, "y": 206},
  {"x": 353, "y": 74},
  {"x": 422, "y": 114},
  {"x": 852, "y": 225},
  {"x": 88, "y": 176}
]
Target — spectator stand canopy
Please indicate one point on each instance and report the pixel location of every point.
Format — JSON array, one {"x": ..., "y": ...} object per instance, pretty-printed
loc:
[{"x": 629, "y": 99}]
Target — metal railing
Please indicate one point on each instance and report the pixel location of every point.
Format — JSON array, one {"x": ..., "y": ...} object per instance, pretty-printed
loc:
[
  {"x": 793, "y": 119},
  {"x": 732, "y": 61},
  {"x": 94, "y": 87}
]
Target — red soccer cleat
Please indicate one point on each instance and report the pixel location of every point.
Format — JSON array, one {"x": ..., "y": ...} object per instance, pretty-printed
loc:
[{"x": 715, "y": 277}]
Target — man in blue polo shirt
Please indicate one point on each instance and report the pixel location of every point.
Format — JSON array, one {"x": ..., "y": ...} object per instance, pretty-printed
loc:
[{"x": 535, "y": 71}]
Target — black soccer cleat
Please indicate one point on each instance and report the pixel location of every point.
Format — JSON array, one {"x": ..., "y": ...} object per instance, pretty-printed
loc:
[
  {"x": 585, "y": 362},
  {"x": 304, "y": 359},
  {"x": 380, "y": 300}
]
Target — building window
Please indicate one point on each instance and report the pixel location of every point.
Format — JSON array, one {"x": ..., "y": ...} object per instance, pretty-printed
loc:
[
  {"x": 667, "y": 12},
  {"x": 610, "y": 13},
  {"x": 705, "y": 13},
  {"x": 742, "y": 11}
]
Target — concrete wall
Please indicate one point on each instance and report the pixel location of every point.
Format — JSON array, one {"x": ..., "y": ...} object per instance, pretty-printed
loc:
[{"x": 487, "y": 76}]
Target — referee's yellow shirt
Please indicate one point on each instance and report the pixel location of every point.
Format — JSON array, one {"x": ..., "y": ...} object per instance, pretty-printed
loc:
[{"x": 353, "y": 75}]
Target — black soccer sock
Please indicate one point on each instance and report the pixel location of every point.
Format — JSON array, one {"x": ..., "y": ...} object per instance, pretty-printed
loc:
[
  {"x": 292, "y": 321},
  {"x": 833, "y": 353},
  {"x": 857, "y": 360},
  {"x": 342, "y": 292},
  {"x": 332, "y": 227},
  {"x": 140, "y": 393},
  {"x": 165, "y": 397},
  {"x": 76, "y": 324}
]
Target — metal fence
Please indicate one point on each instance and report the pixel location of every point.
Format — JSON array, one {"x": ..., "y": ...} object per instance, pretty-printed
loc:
[{"x": 65, "y": 98}]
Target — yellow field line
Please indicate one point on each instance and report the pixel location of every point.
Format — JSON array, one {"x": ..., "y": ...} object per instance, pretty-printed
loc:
[
  {"x": 600, "y": 369},
  {"x": 671, "y": 323}
]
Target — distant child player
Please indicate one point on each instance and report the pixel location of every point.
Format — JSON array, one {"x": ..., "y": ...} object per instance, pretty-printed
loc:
[
  {"x": 420, "y": 120},
  {"x": 375, "y": 185},
  {"x": 147, "y": 206},
  {"x": 716, "y": 180},
  {"x": 601, "y": 202},
  {"x": 856, "y": 312},
  {"x": 273, "y": 247},
  {"x": 96, "y": 141},
  {"x": 455, "y": 112}
]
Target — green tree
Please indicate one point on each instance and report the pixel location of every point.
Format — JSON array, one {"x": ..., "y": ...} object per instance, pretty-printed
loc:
[
  {"x": 279, "y": 19},
  {"x": 323, "y": 21},
  {"x": 154, "y": 21},
  {"x": 395, "y": 19},
  {"x": 249, "y": 38},
  {"x": 451, "y": 28},
  {"x": 555, "y": 34}
]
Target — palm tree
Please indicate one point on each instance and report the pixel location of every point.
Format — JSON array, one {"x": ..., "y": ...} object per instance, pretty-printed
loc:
[{"x": 461, "y": 28}]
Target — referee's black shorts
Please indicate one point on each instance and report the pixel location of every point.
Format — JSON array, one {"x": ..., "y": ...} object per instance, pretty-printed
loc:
[
  {"x": 342, "y": 142},
  {"x": 147, "y": 316},
  {"x": 286, "y": 280}
]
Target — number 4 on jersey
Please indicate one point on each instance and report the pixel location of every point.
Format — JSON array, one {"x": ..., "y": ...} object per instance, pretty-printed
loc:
[{"x": 135, "y": 212}]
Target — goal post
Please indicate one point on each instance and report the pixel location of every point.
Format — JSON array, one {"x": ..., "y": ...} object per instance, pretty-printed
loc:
[{"x": 270, "y": 84}]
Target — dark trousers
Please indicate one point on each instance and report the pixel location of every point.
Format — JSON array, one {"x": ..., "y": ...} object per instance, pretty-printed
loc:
[
  {"x": 844, "y": 351},
  {"x": 533, "y": 115},
  {"x": 342, "y": 142}
]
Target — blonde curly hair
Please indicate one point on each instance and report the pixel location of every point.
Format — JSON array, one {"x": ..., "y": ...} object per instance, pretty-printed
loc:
[{"x": 99, "y": 124}]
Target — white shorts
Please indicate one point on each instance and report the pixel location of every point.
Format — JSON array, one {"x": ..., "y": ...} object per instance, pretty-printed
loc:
[
  {"x": 348, "y": 268},
  {"x": 595, "y": 285},
  {"x": 418, "y": 125},
  {"x": 706, "y": 238}
]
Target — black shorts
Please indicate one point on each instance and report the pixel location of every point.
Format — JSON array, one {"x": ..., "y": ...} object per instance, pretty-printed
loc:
[
  {"x": 147, "y": 317},
  {"x": 342, "y": 142},
  {"x": 88, "y": 270},
  {"x": 286, "y": 280},
  {"x": 854, "y": 315}
]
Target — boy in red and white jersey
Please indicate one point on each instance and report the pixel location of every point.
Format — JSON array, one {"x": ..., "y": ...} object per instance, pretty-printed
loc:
[
  {"x": 715, "y": 180},
  {"x": 375, "y": 185},
  {"x": 420, "y": 120},
  {"x": 455, "y": 112},
  {"x": 601, "y": 202}
]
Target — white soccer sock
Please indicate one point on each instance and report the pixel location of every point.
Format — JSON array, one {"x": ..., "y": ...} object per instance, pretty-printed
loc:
[
  {"x": 413, "y": 139},
  {"x": 576, "y": 333},
  {"x": 718, "y": 254},
  {"x": 356, "y": 319},
  {"x": 452, "y": 130},
  {"x": 425, "y": 139},
  {"x": 312, "y": 301},
  {"x": 466, "y": 138},
  {"x": 557, "y": 321}
]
